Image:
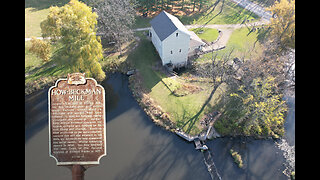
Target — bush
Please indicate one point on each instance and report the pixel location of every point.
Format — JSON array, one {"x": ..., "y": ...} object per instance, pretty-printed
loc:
[
  {"x": 40, "y": 48},
  {"x": 237, "y": 158}
]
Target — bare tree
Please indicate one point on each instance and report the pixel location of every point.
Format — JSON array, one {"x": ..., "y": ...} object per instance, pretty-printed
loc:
[
  {"x": 115, "y": 20},
  {"x": 220, "y": 70}
]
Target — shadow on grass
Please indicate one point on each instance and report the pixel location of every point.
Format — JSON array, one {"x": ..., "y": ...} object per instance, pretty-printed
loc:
[
  {"x": 48, "y": 69},
  {"x": 144, "y": 58},
  {"x": 191, "y": 122}
]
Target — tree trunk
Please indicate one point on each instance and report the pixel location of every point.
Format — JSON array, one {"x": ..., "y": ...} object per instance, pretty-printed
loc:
[{"x": 194, "y": 5}]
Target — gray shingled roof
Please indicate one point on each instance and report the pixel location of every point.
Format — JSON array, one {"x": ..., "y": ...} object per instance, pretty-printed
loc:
[{"x": 165, "y": 24}]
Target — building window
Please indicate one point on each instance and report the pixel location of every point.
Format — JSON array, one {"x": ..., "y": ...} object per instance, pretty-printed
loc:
[
  {"x": 171, "y": 52},
  {"x": 177, "y": 34},
  {"x": 180, "y": 50}
]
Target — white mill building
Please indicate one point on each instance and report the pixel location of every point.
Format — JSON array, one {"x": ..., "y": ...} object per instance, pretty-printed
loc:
[{"x": 172, "y": 40}]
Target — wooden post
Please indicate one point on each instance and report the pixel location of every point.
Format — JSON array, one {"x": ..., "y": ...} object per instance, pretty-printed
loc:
[{"x": 78, "y": 172}]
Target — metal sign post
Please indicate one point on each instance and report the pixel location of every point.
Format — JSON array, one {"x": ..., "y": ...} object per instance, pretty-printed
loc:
[{"x": 78, "y": 172}]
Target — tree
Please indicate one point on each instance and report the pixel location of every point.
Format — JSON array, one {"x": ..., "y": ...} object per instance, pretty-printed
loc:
[
  {"x": 40, "y": 48},
  {"x": 74, "y": 26},
  {"x": 262, "y": 107},
  {"x": 146, "y": 5},
  {"x": 257, "y": 109},
  {"x": 219, "y": 70},
  {"x": 283, "y": 24},
  {"x": 115, "y": 20}
]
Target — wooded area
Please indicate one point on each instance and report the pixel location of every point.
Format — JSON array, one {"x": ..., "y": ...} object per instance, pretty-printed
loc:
[{"x": 148, "y": 7}]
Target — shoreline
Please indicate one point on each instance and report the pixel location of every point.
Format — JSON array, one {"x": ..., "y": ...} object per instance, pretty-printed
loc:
[
  {"x": 147, "y": 104},
  {"x": 157, "y": 115},
  {"x": 162, "y": 119}
]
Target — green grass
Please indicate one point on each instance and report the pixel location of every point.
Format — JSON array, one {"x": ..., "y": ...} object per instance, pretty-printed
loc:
[
  {"x": 225, "y": 12},
  {"x": 142, "y": 22},
  {"x": 33, "y": 18},
  {"x": 37, "y": 68},
  {"x": 241, "y": 39},
  {"x": 242, "y": 42},
  {"x": 207, "y": 34},
  {"x": 143, "y": 58},
  {"x": 35, "y": 12},
  {"x": 186, "y": 110},
  {"x": 31, "y": 61}
]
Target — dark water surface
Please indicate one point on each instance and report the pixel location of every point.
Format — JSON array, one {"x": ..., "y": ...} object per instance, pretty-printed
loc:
[{"x": 138, "y": 149}]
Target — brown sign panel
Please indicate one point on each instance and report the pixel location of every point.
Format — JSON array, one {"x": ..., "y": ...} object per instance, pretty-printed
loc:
[{"x": 77, "y": 128}]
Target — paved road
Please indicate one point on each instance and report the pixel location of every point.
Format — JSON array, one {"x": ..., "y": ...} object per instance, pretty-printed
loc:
[{"x": 255, "y": 8}]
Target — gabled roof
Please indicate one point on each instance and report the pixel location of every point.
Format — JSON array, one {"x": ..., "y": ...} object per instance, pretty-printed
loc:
[{"x": 164, "y": 24}]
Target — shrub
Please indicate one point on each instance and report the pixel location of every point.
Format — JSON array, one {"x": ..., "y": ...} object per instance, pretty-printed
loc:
[
  {"x": 40, "y": 48},
  {"x": 237, "y": 158}
]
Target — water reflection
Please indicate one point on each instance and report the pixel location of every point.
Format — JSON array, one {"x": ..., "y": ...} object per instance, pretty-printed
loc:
[
  {"x": 261, "y": 159},
  {"x": 36, "y": 113},
  {"x": 290, "y": 121}
]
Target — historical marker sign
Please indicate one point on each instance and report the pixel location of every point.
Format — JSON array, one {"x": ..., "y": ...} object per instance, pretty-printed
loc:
[{"x": 77, "y": 129}]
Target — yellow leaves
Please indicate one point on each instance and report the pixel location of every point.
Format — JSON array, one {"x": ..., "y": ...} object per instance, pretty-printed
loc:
[
  {"x": 262, "y": 106},
  {"x": 283, "y": 22},
  {"x": 259, "y": 130},
  {"x": 250, "y": 98},
  {"x": 40, "y": 48},
  {"x": 74, "y": 26},
  {"x": 73, "y": 17},
  {"x": 234, "y": 95}
]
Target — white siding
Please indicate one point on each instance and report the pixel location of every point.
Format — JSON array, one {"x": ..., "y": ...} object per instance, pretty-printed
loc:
[
  {"x": 175, "y": 44},
  {"x": 156, "y": 42}
]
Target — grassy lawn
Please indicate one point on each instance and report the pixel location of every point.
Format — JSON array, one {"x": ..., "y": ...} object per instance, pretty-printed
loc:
[
  {"x": 186, "y": 110},
  {"x": 225, "y": 12},
  {"x": 144, "y": 58},
  {"x": 37, "y": 68},
  {"x": 207, "y": 34},
  {"x": 31, "y": 61},
  {"x": 33, "y": 19},
  {"x": 37, "y": 11},
  {"x": 242, "y": 39},
  {"x": 243, "y": 43}
]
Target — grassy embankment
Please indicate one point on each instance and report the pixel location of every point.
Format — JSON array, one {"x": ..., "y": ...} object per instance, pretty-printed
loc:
[{"x": 181, "y": 98}]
